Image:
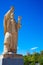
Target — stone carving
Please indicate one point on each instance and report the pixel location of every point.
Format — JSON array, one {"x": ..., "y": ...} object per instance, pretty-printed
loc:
[{"x": 11, "y": 31}]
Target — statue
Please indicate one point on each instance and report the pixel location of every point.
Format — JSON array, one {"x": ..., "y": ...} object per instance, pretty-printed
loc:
[
  {"x": 11, "y": 27},
  {"x": 11, "y": 31}
]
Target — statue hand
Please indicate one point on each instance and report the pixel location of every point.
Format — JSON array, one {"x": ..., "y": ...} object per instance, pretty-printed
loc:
[{"x": 19, "y": 19}]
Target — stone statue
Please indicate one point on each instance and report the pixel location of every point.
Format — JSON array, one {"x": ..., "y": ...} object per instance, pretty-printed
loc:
[{"x": 11, "y": 31}]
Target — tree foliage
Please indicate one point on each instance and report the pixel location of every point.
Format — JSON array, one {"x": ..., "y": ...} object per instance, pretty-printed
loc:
[{"x": 31, "y": 59}]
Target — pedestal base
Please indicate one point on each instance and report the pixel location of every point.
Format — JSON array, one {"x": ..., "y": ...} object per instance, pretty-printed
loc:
[{"x": 16, "y": 60}]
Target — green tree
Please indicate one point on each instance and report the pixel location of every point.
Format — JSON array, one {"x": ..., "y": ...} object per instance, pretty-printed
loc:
[
  {"x": 33, "y": 63},
  {"x": 31, "y": 59},
  {"x": 41, "y": 53},
  {"x": 41, "y": 58},
  {"x": 35, "y": 57},
  {"x": 26, "y": 60}
]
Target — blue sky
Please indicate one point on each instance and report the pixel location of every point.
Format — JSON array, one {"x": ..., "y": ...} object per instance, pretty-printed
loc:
[{"x": 30, "y": 36}]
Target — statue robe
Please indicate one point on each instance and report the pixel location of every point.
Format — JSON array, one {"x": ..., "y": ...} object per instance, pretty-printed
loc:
[{"x": 11, "y": 37}]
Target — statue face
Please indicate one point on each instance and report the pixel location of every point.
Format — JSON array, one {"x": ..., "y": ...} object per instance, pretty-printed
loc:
[{"x": 12, "y": 15}]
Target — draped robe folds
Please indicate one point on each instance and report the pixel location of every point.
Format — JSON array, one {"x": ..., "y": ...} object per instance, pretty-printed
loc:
[
  {"x": 11, "y": 40},
  {"x": 10, "y": 32}
]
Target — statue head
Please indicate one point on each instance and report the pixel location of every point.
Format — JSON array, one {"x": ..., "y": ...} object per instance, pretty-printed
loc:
[{"x": 12, "y": 8}]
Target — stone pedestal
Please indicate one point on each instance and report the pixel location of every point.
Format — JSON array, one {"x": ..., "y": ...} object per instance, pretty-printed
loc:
[{"x": 13, "y": 59}]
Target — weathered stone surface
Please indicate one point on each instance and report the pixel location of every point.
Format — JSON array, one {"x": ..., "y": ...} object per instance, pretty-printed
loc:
[
  {"x": 12, "y": 55},
  {"x": 12, "y": 61}
]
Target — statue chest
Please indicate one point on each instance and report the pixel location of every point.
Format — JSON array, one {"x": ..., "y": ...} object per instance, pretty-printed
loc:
[{"x": 11, "y": 27}]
